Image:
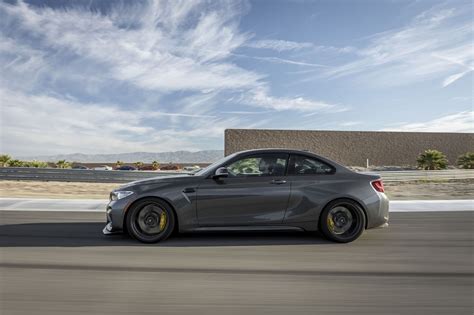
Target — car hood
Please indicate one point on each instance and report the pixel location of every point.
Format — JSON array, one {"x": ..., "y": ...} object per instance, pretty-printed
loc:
[{"x": 160, "y": 180}]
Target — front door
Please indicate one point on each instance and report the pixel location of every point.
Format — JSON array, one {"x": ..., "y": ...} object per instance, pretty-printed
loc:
[{"x": 256, "y": 192}]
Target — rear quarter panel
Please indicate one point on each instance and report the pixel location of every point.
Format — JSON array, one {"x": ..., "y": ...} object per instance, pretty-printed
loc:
[{"x": 310, "y": 194}]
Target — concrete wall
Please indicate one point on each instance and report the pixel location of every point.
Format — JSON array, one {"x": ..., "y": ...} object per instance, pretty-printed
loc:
[{"x": 354, "y": 147}]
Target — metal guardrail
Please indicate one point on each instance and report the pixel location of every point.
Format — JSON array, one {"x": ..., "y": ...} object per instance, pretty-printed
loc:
[
  {"x": 72, "y": 175},
  {"x": 93, "y": 176}
]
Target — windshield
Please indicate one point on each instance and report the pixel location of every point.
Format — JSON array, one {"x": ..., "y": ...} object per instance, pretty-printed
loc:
[{"x": 208, "y": 168}]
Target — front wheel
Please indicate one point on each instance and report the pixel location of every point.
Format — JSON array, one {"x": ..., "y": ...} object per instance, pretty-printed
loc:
[
  {"x": 150, "y": 221},
  {"x": 342, "y": 221}
]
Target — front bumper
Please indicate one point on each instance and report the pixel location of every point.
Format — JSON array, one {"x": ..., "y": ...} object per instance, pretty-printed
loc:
[
  {"x": 115, "y": 214},
  {"x": 108, "y": 229}
]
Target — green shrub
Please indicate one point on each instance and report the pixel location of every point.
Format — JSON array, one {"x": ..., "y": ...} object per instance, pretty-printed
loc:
[
  {"x": 63, "y": 164},
  {"x": 16, "y": 163},
  {"x": 432, "y": 160},
  {"x": 4, "y": 159},
  {"x": 466, "y": 160},
  {"x": 155, "y": 165},
  {"x": 37, "y": 164}
]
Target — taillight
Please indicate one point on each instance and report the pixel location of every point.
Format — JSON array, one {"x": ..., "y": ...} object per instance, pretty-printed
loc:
[{"x": 378, "y": 185}]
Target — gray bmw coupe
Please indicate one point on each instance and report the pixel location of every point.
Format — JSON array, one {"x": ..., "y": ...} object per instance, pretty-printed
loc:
[{"x": 275, "y": 189}]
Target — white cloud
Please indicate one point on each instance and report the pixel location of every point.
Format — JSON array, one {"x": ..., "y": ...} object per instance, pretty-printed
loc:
[
  {"x": 161, "y": 46},
  {"x": 170, "y": 57},
  {"x": 261, "y": 98},
  {"x": 286, "y": 45},
  {"x": 436, "y": 44},
  {"x": 68, "y": 64},
  {"x": 45, "y": 124},
  {"x": 453, "y": 78},
  {"x": 286, "y": 61},
  {"x": 350, "y": 123},
  {"x": 278, "y": 44},
  {"x": 459, "y": 122}
]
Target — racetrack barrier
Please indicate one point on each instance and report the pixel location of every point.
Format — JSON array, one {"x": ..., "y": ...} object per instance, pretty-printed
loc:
[{"x": 96, "y": 176}]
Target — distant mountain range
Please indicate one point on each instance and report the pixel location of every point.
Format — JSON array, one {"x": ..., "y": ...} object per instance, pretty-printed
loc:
[{"x": 206, "y": 156}]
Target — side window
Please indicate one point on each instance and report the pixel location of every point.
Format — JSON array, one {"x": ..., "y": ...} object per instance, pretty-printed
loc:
[
  {"x": 259, "y": 165},
  {"x": 303, "y": 165}
]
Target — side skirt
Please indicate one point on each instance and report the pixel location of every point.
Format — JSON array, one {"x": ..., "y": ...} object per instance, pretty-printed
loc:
[{"x": 246, "y": 228}]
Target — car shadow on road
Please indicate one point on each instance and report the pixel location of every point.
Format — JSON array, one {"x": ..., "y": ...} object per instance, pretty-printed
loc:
[{"x": 80, "y": 234}]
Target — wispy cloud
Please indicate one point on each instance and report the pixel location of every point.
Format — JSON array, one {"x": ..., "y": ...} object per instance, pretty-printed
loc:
[
  {"x": 261, "y": 98},
  {"x": 437, "y": 44},
  {"x": 350, "y": 123},
  {"x": 148, "y": 46},
  {"x": 164, "y": 75},
  {"x": 133, "y": 75},
  {"x": 459, "y": 122},
  {"x": 48, "y": 124},
  {"x": 162, "y": 46},
  {"x": 280, "y": 45},
  {"x": 236, "y": 112},
  {"x": 453, "y": 78},
  {"x": 283, "y": 60}
]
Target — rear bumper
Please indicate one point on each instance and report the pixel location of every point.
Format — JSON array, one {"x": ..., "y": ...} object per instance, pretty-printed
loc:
[
  {"x": 381, "y": 226},
  {"x": 378, "y": 212}
]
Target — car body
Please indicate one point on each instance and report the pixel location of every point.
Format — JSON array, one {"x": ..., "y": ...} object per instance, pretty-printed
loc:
[
  {"x": 147, "y": 168},
  {"x": 102, "y": 168},
  {"x": 191, "y": 169},
  {"x": 126, "y": 168},
  {"x": 80, "y": 167},
  {"x": 252, "y": 190},
  {"x": 169, "y": 167}
]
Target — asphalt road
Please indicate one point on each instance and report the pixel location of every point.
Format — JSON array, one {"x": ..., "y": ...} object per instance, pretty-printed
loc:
[{"x": 59, "y": 262}]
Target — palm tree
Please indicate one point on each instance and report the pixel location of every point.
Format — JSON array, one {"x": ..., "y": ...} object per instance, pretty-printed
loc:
[
  {"x": 4, "y": 158},
  {"x": 155, "y": 165},
  {"x": 466, "y": 160},
  {"x": 118, "y": 164},
  {"x": 63, "y": 164},
  {"x": 432, "y": 160},
  {"x": 138, "y": 165}
]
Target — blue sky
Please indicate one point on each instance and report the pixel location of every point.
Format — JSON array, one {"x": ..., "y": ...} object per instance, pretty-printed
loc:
[{"x": 125, "y": 76}]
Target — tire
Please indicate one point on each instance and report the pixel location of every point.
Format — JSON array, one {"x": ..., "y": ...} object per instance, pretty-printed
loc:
[
  {"x": 342, "y": 221},
  {"x": 150, "y": 220}
]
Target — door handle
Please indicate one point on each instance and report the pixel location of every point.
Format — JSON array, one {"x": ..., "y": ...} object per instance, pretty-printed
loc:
[{"x": 278, "y": 181}]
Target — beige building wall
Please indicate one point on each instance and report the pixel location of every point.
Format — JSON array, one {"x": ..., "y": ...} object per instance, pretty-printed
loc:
[{"x": 354, "y": 147}]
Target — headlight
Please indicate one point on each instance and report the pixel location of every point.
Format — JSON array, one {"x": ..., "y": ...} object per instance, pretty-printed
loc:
[{"x": 116, "y": 195}]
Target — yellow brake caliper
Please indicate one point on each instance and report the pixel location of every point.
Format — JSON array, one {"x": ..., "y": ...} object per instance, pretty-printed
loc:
[
  {"x": 330, "y": 223},
  {"x": 162, "y": 221}
]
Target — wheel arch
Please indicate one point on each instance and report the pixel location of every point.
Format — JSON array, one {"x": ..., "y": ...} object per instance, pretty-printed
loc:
[
  {"x": 173, "y": 210},
  {"x": 340, "y": 199}
]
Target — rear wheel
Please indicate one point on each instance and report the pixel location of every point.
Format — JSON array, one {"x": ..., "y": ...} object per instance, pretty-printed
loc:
[
  {"x": 342, "y": 221},
  {"x": 150, "y": 221}
]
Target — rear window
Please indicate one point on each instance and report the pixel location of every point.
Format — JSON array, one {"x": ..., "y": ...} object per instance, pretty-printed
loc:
[{"x": 304, "y": 165}]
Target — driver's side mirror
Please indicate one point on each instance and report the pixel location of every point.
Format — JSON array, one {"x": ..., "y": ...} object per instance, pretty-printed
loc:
[{"x": 221, "y": 172}]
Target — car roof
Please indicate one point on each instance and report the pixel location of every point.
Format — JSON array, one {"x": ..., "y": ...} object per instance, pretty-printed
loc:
[{"x": 277, "y": 150}]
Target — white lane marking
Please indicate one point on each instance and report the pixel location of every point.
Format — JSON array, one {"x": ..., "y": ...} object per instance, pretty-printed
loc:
[
  {"x": 95, "y": 205},
  {"x": 54, "y": 210},
  {"x": 57, "y": 205},
  {"x": 431, "y": 205}
]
